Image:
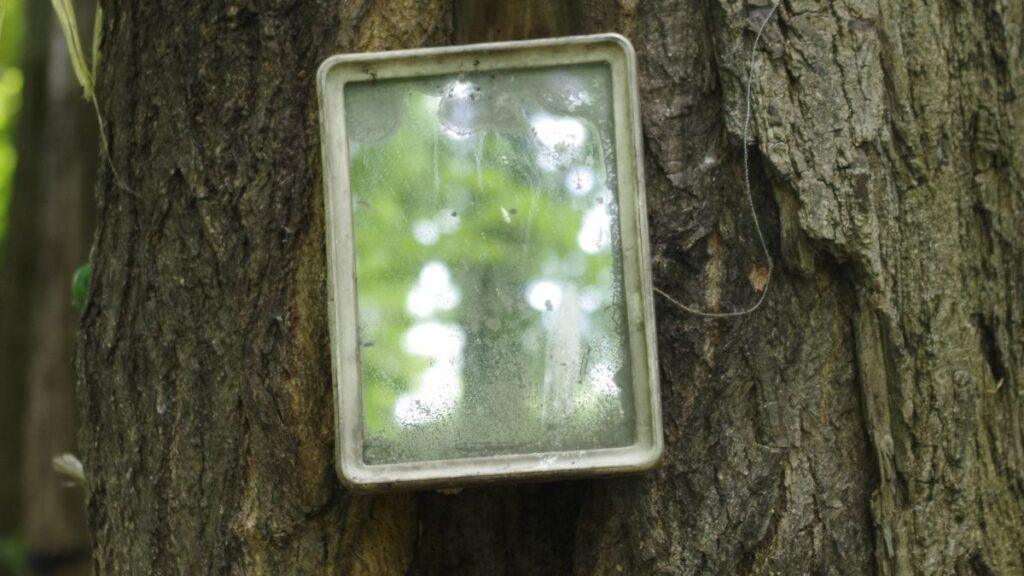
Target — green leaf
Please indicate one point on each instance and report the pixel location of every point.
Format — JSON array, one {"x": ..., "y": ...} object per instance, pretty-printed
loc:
[{"x": 80, "y": 285}]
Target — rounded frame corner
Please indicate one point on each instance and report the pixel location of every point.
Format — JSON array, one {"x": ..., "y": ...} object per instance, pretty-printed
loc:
[
  {"x": 352, "y": 475},
  {"x": 618, "y": 40},
  {"x": 323, "y": 70},
  {"x": 650, "y": 456}
]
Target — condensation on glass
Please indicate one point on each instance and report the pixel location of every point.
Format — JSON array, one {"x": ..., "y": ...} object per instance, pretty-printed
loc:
[{"x": 489, "y": 283}]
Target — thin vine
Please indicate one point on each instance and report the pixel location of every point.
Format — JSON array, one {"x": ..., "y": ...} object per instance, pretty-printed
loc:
[
  {"x": 750, "y": 195},
  {"x": 86, "y": 72}
]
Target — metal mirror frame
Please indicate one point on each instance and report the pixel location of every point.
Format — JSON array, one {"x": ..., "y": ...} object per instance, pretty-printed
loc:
[{"x": 332, "y": 76}]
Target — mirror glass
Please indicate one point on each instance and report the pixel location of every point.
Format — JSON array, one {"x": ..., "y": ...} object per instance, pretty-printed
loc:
[{"x": 488, "y": 273}]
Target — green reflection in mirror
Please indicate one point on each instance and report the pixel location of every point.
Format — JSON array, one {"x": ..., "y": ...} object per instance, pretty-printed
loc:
[{"x": 488, "y": 277}]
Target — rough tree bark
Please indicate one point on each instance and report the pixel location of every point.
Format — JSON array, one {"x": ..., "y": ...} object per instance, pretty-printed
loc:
[
  {"x": 866, "y": 420},
  {"x": 50, "y": 227}
]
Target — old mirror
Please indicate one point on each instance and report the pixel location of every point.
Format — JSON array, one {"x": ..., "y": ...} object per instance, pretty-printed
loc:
[{"x": 491, "y": 309}]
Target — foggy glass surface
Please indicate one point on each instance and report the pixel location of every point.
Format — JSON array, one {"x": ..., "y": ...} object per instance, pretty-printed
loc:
[{"x": 488, "y": 277}]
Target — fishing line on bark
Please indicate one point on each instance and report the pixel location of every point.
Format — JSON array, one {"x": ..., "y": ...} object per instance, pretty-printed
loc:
[{"x": 749, "y": 193}]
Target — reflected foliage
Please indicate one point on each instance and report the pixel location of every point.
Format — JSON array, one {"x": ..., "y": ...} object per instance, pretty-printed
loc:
[{"x": 489, "y": 284}]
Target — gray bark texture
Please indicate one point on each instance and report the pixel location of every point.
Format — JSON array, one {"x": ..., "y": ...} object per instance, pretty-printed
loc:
[{"x": 868, "y": 419}]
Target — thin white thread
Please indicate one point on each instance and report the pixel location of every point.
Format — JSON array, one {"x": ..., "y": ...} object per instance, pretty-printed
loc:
[
  {"x": 750, "y": 194},
  {"x": 105, "y": 152}
]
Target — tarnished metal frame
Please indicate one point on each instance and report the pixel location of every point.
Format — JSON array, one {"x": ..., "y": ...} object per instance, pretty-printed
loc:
[{"x": 334, "y": 73}]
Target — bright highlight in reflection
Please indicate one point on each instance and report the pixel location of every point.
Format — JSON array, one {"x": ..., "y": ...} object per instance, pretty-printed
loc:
[
  {"x": 560, "y": 138},
  {"x": 590, "y": 299},
  {"x": 595, "y": 234},
  {"x": 602, "y": 380},
  {"x": 448, "y": 220},
  {"x": 434, "y": 291},
  {"x": 458, "y": 116},
  {"x": 459, "y": 89},
  {"x": 426, "y": 232},
  {"x": 579, "y": 181},
  {"x": 456, "y": 134},
  {"x": 433, "y": 340},
  {"x": 557, "y": 133},
  {"x": 544, "y": 295},
  {"x": 439, "y": 385}
]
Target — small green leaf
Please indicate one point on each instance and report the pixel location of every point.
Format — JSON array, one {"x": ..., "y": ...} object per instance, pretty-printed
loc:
[{"x": 80, "y": 285}]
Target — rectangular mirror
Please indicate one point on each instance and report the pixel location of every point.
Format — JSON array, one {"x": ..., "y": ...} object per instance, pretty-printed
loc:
[{"x": 491, "y": 302}]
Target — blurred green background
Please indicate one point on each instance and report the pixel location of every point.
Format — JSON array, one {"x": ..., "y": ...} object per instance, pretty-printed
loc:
[
  {"x": 48, "y": 159},
  {"x": 11, "y": 80},
  {"x": 12, "y": 547}
]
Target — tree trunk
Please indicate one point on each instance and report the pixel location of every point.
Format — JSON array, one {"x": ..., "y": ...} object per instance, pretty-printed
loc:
[
  {"x": 50, "y": 227},
  {"x": 867, "y": 419}
]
